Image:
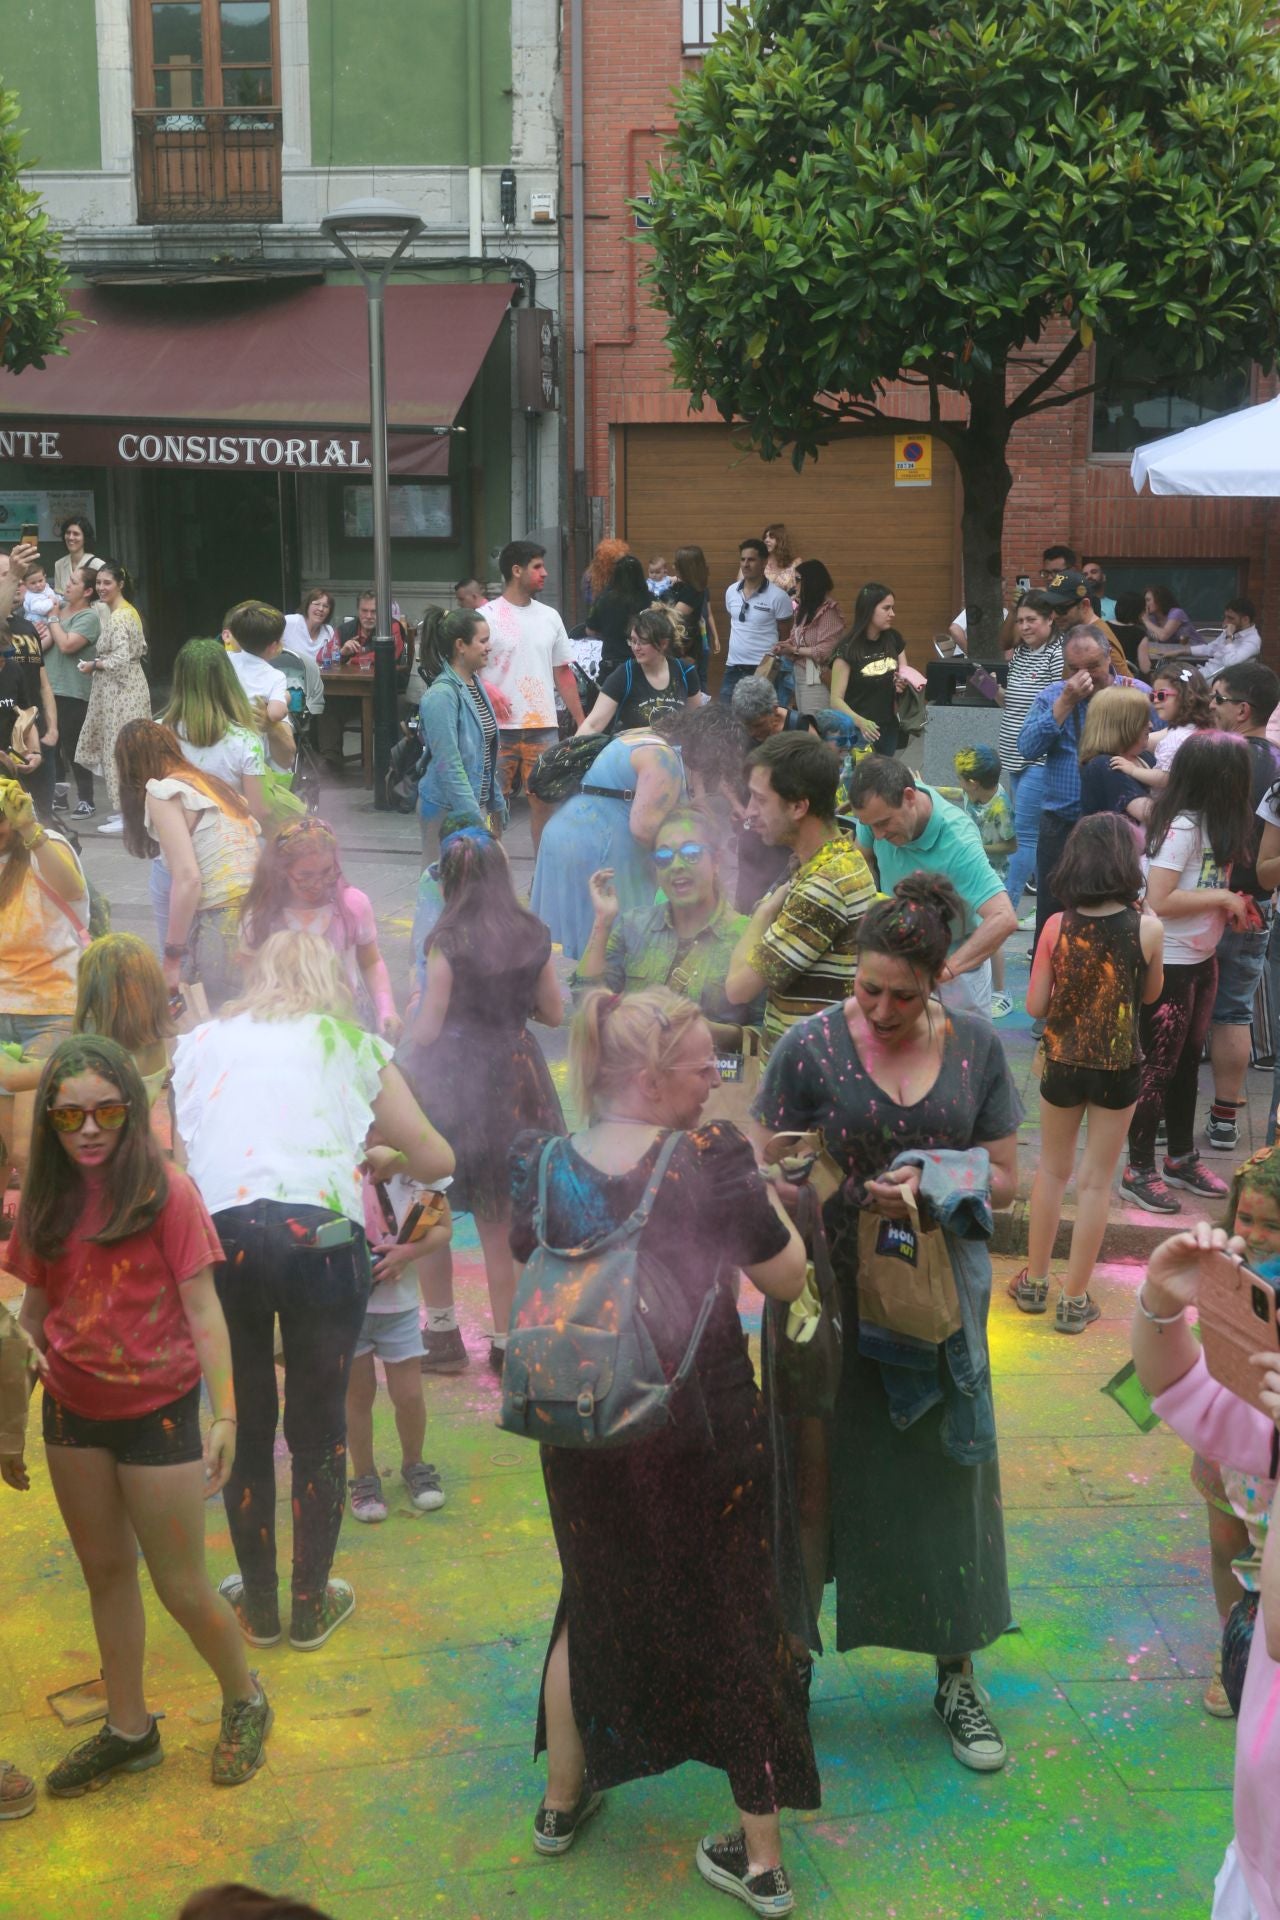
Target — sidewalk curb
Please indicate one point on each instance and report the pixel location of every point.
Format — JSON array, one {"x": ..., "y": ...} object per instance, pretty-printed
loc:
[{"x": 1127, "y": 1238}]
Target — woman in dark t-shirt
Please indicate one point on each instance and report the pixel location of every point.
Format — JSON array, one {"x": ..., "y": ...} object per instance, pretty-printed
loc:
[{"x": 653, "y": 681}]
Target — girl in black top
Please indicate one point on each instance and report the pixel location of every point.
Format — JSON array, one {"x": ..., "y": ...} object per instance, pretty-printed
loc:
[
  {"x": 690, "y": 595},
  {"x": 653, "y": 681},
  {"x": 611, "y": 616},
  {"x": 1097, "y": 961},
  {"x": 867, "y": 666}
]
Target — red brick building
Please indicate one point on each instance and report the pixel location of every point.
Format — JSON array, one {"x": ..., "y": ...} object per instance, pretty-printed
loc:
[{"x": 662, "y": 476}]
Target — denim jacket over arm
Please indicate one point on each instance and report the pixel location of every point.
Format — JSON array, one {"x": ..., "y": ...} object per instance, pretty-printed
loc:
[
  {"x": 454, "y": 739},
  {"x": 955, "y": 1190}
]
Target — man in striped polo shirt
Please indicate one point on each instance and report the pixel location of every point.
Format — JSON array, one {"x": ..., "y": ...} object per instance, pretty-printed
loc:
[{"x": 798, "y": 947}]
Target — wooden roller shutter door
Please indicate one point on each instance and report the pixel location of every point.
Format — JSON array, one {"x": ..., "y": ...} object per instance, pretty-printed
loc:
[{"x": 695, "y": 486}]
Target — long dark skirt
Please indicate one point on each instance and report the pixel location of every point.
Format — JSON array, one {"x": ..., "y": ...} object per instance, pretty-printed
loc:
[
  {"x": 918, "y": 1538},
  {"x": 676, "y": 1645}
]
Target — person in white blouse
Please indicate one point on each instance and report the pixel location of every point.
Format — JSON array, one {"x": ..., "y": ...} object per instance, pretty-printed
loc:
[{"x": 307, "y": 630}]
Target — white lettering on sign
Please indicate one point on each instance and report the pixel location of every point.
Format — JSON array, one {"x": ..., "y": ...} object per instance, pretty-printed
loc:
[
  {"x": 204, "y": 450},
  {"x": 18, "y": 443}
]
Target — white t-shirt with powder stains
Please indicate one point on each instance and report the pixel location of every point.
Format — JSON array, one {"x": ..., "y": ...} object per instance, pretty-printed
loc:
[
  {"x": 527, "y": 644},
  {"x": 278, "y": 1110}
]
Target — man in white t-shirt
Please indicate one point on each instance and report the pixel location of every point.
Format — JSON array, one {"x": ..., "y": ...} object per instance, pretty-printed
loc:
[
  {"x": 760, "y": 615},
  {"x": 529, "y": 658}
]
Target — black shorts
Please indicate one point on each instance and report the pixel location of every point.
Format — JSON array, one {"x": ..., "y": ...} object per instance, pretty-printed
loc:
[
  {"x": 1112, "y": 1087},
  {"x": 167, "y": 1437}
]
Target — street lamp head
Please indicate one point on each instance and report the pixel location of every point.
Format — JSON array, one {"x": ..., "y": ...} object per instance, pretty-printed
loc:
[{"x": 372, "y": 233}]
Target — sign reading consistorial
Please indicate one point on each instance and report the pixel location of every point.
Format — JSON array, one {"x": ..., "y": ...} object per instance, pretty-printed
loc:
[{"x": 97, "y": 443}]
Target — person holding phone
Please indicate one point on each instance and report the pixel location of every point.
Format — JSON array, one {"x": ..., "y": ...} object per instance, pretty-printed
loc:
[
  {"x": 116, "y": 1251},
  {"x": 274, "y": 1102},
  {"x": 1174, "y": 1369}
]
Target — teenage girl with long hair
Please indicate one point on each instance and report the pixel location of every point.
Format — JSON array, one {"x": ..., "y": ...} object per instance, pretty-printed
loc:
[
  {"x": 1097, "y": 962},
  {"x": 299, "y": 887},
  {"x": 210, "y": 713},
  {"x": 1200, "y": 824},
  {"x": 690, "y": 593},
  {"x": 459, "y": 724},
  {"x": 209, "y": 841},
  {"x": 117, "y": 1253},
  {"x": 868, "y": 667},
  {"x": 468, "y": 1053},
  {"x": 118, "y": 690},
  {"x": 815, "y": 636},
  {"x": 122, "y": 996}
]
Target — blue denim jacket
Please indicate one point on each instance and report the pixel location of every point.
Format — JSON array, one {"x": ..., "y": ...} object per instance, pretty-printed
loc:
[
  {"x": 454, "y": 738},
  {"x": 955, "y": 1185}
]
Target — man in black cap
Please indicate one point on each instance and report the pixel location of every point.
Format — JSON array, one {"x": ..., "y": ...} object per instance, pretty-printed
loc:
[{"x": 1069, "y": 594}]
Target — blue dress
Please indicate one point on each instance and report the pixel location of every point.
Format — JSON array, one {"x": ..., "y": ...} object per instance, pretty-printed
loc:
[{"x": 591, "y": 831}]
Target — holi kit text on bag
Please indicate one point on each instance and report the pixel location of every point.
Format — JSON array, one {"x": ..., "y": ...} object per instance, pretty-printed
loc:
[{"x": 604, "y": 1338}]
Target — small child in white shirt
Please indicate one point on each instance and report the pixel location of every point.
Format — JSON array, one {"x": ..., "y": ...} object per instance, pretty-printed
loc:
[
  {"x": 39, "y": 599},
  {"x": 251, "y": 636},
  {"x": 392, "y": 1333},
  {"x": 660, "y": 576}
]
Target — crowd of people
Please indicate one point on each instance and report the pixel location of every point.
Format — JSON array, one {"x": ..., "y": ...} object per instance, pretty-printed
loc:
[{"x": 237, "y": 1154}]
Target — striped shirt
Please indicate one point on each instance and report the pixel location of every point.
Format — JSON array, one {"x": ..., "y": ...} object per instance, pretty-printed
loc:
[
  {"x": 1030, "y": 668},
  {"x": 807, "y": 954}
]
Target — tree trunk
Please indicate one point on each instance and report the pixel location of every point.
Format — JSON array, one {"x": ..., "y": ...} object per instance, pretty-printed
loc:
[{"x": 986, "y": 480}]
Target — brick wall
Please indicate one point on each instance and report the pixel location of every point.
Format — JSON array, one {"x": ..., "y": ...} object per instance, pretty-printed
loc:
[{"x": 633, "y": 59}]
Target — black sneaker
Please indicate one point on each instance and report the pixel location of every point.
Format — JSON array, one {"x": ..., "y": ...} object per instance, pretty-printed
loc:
[
  {"x": 1075, "y": 1314},
  {"x": 257, "y": 1629},
  {"x": 1146, "y": 1189},
  {"x": 555, "y": 1832},
  {"x": 444, "y": 1352},
  {"x": 98, "y": 1759},
  {"x": 1222, "y": 1135},
  {"x": 61, "y": 797},
  {"x": 961, "y": 1705},
  {"x": 723, "y": 1863},
  {"x": 1193, "y": 1177},
  {"x": 83, "y": 810}
]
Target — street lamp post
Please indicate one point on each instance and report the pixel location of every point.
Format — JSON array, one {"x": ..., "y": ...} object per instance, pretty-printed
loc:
[{"x": 373, "y": 234}]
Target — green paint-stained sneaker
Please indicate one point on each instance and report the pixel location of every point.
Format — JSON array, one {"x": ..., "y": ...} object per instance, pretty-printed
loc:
[
  {"x": 312, "y": 1626},
  {"x": 723, "y": 1863},
  {"x": 241, "y": 1747},
  {"x": 98, "y": 1759},
  {"x": 257, "y": 1629}
]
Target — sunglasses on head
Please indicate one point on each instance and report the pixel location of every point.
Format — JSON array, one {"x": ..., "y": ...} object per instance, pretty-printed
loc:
[
  {"x": 691, "y": 850},
  {"x": 110, "y": 1116}
]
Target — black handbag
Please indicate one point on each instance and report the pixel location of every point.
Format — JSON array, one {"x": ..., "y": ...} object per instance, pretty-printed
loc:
[{"x": 806, "y": 1374}]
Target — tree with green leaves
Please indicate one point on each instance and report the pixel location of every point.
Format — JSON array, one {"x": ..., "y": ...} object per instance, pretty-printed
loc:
[
  {"x": 33, "y": 309},
  {"x": 964, "y": 195}
]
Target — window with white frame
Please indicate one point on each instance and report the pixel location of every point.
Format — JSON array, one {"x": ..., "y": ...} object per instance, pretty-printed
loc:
[{"x": 703, "y": 20}]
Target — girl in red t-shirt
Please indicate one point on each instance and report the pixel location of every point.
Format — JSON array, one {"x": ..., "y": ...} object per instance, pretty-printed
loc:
[{"x": 117, "y": 1251}]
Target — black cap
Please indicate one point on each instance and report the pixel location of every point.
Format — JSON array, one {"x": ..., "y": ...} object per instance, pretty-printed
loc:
[{"x": 1064, "y": 589}]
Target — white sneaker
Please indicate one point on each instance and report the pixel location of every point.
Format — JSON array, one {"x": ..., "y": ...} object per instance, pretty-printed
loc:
[
  {"x": 1027, "y": 920},
  {"x": 114, "y": 825},
  {"x": 1001, "y": 1005}
]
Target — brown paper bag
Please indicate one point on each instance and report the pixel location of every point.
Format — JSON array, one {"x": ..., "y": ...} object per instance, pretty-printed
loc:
[
  {"x": 905, "y": 1281},
  {"x": 17, "y": 1376},
  {"x": 195, "y": 1008}
]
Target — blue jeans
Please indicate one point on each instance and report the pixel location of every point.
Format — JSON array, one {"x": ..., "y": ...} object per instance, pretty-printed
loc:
[
  {"x": 24, "y": 1029},
  {"x": 732, "y": 675},
  {"x": 1027, "y": 788}
]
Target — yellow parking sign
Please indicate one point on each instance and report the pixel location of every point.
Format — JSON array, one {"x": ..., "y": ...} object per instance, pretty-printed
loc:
[{"x": 913, "y": 460}]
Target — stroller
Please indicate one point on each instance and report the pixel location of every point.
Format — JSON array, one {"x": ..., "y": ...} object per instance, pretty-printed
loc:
[{"x": 306, "y": 699}]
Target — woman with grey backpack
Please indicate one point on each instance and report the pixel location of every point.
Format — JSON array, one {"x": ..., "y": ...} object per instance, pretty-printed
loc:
[{"x": 668, "y": 1642}]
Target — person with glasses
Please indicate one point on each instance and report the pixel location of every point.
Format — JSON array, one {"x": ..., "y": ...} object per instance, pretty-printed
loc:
[
  {"x": 685, "y": 941},
  {"x": 116, "y": 1250},
  {"x": 653, "y": 681},
  {"x": 1183, "y": 707}
]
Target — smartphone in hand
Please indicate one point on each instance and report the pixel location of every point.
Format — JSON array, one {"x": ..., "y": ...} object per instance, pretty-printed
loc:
[{"x": 1237, "y": 1318}]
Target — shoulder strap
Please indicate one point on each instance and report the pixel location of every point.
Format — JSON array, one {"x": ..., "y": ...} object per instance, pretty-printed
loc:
[
  {"x": 629, "y": 1227},
  {"x": 81, "y": 933}
]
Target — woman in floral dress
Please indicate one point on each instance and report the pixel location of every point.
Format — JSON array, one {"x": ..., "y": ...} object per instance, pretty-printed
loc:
[{"x": 118, "y": 690}]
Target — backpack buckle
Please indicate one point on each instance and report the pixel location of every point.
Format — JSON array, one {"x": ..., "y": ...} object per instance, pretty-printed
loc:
[{"x": 586, "y": 1404}]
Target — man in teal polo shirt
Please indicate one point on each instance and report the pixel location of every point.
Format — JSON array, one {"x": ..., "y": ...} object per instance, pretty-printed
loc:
[{"x": 908, "y": 827}]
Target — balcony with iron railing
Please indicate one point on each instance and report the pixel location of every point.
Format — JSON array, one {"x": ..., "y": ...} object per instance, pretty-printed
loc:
[{"x": 207, "y": 163}]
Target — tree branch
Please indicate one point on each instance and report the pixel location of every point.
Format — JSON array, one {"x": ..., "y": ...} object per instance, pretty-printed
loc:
[
  {"x": 1061, "y": 399},
  {"x": 1022, "y": 403}
]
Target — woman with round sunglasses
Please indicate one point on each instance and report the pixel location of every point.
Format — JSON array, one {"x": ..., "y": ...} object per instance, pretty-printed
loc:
[
  {"x": 117, "y": 1250},
  {"x": 653, "y": 681},
  {"x": 684, "y": 942}
]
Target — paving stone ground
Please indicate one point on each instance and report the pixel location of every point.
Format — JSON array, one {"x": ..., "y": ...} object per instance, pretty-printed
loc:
[{"x": 400, "y": 1782}]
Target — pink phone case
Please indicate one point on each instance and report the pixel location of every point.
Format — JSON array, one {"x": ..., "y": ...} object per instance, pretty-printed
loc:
[{"x": 1232, "y": 1325}]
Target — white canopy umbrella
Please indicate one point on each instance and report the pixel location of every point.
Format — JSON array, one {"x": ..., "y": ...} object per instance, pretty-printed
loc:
[{"x": 1238, "y": 454}]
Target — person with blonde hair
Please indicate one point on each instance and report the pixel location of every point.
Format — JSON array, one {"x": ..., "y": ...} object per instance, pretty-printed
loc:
[
  {"x": 274, "y": 1103},
  {"x": 122, "y": 994},
  {"x": 668, "y": 1643},
  {"x": 1117, "y": 727}
]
